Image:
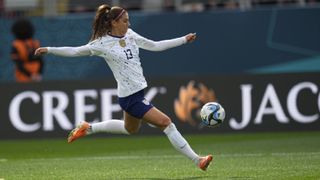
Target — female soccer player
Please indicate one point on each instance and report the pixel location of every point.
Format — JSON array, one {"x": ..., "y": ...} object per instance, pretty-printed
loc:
[{"x": 119, "y": 46}]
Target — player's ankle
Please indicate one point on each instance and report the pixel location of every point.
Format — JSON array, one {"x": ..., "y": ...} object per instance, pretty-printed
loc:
[{"x": 89, "y": 130}]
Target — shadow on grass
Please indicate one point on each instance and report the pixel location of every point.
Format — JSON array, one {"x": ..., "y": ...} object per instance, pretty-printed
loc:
[{"x": 184, "y": 178}]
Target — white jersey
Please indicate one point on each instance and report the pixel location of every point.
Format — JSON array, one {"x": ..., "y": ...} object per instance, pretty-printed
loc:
[{"x": 122, "y": 56}]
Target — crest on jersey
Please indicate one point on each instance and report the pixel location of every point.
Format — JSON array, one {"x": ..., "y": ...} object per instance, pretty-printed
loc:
[{"x": 122, "y": 43}]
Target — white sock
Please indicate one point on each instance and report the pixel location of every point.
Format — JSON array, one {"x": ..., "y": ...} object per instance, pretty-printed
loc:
[
  {"x": 110, "y": 126},
  {"x": 180, "y": 144}
]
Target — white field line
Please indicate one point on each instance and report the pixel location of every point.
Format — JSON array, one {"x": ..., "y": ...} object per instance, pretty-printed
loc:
[
  {"x": 109, "y": 158},
  {"x": 178, "y": 156},
  {"x": 296, "y": 154}
]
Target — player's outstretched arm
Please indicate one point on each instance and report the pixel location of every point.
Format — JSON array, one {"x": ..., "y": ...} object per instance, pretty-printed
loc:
[
  {"x": 65, "y": 51},
  {"x": 163, "y": 44}
]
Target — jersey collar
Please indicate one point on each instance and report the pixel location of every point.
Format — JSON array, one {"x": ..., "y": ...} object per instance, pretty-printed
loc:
[{"x": 115, "y": 36}]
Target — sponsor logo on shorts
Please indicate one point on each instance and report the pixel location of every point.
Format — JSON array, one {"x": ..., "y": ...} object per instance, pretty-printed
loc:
[{"x": 146, "y": 102}]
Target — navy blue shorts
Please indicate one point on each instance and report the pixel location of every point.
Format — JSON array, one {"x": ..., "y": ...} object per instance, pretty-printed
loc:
[{"x": 135, "y": 105}]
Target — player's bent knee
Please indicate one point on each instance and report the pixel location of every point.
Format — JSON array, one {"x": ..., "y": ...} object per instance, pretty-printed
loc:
[{"x": 165, "y": 122}]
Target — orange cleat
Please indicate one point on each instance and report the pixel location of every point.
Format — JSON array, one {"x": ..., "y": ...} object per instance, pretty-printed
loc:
[
  {"x": 79, "y": 131},
  {"x": 205, "y": 162}
]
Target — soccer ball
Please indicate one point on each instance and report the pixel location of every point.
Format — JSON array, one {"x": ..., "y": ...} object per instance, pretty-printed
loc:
[{"x": 212, "y": 114}]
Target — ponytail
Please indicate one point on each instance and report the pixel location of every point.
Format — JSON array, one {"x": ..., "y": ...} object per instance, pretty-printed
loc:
[
  {"x": 102, "y": 21},
  {"x": 101, "y": 25}
]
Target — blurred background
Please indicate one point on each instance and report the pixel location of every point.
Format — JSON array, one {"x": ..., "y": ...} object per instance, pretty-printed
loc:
[
  {"x": 234, "y": 36},
  {"x": 259, "y": 58}
]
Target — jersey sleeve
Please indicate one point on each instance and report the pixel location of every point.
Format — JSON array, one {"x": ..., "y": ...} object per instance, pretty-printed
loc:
[
  {"x": 96, "y": 48},
  {"x": 151, "y": 45},
  {"x": 70, "y": 51}
]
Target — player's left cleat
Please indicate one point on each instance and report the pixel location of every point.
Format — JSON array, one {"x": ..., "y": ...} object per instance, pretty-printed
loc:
[
  {"x": 205, "y": 162},
  {"x": 79, "y": 131}
]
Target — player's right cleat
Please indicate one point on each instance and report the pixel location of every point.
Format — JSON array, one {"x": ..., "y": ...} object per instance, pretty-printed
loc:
[
  {"x": 79, "y": 131},
  {"x": 205, "y": 162}
]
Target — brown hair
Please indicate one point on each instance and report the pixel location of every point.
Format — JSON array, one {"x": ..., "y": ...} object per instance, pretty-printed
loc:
[
  {"x": 102, "y": 20},
  {"x": 22, "y": 29}
]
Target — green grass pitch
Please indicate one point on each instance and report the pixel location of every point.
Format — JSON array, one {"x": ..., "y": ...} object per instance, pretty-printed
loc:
[{"x": 294, "y": 155}]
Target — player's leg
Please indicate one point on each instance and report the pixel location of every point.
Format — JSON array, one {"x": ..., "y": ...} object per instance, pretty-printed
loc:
[
  {"x": 113, "y": 126},
  {"x": 163, "y": 122},
  {"x": 157, "y": 118},
  {"x": 132, "y": 112},
  {"x": 131, "y": 123}
]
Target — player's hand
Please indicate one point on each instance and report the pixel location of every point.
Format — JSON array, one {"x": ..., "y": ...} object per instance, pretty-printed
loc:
[
  {"x": 191, "y": 37},
  {"x": 41, "y": 51}
]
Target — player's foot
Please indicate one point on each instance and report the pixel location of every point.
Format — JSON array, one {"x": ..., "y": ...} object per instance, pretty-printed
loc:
[
  {"x": 79, "y": 131},
  {"x": 204, "y": 162}
]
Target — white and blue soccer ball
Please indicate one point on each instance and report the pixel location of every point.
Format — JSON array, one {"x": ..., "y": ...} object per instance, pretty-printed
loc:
[{"x": 212, "y": 114}]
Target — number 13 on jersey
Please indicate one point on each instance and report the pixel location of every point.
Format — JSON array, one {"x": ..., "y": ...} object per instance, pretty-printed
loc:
[{"x": 128, "y": 53}]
